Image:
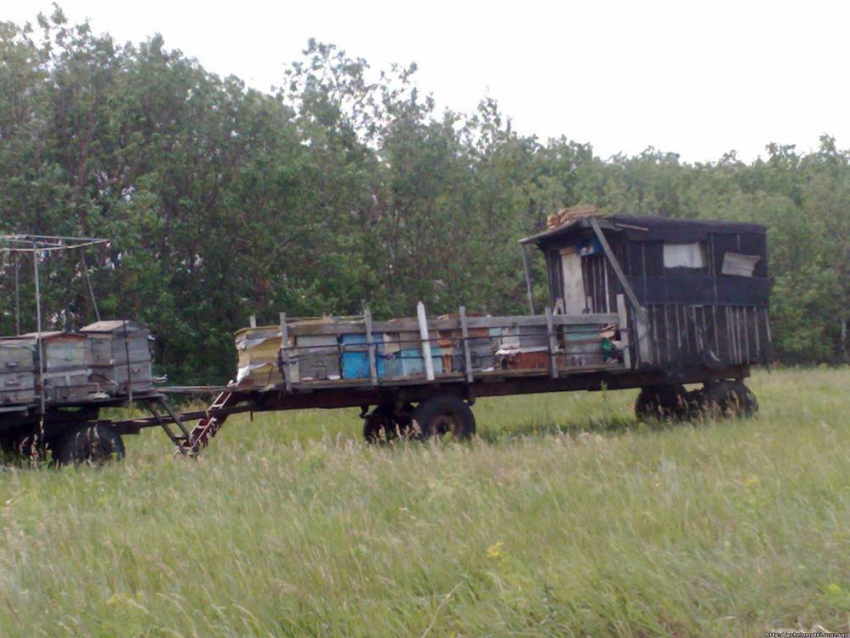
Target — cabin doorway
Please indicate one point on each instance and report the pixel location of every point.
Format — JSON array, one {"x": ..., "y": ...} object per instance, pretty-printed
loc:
[{"x": 575, "y": 300}]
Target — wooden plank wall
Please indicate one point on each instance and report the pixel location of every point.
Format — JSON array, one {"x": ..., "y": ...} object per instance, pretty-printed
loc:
[
  {"x": 600, "y": 282},
  {"x": 684, "y": 335},
  {"x": 595, "y": 283}
]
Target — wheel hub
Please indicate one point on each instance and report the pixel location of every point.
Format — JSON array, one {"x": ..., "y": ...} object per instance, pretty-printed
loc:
[{"x": 446, "y": 423}]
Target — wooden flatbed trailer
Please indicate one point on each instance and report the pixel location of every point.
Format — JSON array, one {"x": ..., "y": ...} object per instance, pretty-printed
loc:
[
  {"x": 683, "y": 302},
  {"x": 231, "y": 402}
]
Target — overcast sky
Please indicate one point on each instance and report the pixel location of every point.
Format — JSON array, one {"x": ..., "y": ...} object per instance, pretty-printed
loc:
[{"x": 696, "y": 78}]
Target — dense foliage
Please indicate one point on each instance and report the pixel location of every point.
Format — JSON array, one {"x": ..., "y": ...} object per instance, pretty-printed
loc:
[{"x": 339, "y": 189}]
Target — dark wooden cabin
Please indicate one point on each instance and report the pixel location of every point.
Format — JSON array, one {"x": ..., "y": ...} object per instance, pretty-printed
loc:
[{"x": 701, "y": 286}]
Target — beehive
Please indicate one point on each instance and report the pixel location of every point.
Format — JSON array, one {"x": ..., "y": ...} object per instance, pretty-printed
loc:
[
  {"x": 480, "y": 347},
  {"x": 17, "y": 370},
  {"x": 119, "y": 357},
  {"x": 317, "y": 357},
  {"x": 257, "y": 350},
  {"x": 311, "y": 356},
  {"x": 65, "y": 371}
]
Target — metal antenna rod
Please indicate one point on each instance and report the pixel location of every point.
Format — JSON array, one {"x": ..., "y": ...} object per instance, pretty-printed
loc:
[
  {"x": 88, "y": 283},
  {"x": 38, "y": 324},
  {"x": 17, "y": 296}
]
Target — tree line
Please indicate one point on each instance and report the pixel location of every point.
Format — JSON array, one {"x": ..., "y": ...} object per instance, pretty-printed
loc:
[{"x": 342, "y": 187}]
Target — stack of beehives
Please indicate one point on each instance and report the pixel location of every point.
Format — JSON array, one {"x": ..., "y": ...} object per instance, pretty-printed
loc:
[
  {"x": 312, "y": 356},
  {"x": 119, "y": 356},
  {"x": 103, "y": 360},
  {"x": 17, "y": 370},
  {"x": 314, "y": 353}
]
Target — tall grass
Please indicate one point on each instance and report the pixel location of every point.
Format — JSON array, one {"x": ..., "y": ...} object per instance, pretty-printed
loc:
[{"x": 565, "y": 518}]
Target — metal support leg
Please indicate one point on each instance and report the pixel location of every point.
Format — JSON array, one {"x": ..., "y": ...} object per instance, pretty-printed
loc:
[{"x": 179, "y": 441}]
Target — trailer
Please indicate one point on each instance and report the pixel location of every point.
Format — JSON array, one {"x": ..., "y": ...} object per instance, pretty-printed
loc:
[{"x": 634, "y": 302}]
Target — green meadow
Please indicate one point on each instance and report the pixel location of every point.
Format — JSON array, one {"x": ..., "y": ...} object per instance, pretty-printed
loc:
[{"x": 565, "y": 517}]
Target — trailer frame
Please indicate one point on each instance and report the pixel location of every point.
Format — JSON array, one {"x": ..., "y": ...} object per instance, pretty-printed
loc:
[{"x": 706, "y": 326}]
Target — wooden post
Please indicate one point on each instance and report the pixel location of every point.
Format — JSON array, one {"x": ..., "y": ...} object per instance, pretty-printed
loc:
[
  {"x": 129, "y": 368},
  {"x": 252, "y": 321},
  {"x": 426, "y": 344},
  {"x": 767, "y": 345},
  {"x": 625, "y": 339},
  {"x": 643, "y": 344},
  {"x": 730, "y": 317},
  {"x": 717, "y": 352},
  {"x": 528, "y": 286},
  {"x": 467, "y": 352},
  {"x": 284, "y": 347},
  {"x": 697, "y": 338},
  {"x": 729, "y": 341},
  {"x": 553, "y": 344},
  {"x": 758, "y": 337},
  {"x": 739, "y": 346},
  {"x": 373, "y": 368}
]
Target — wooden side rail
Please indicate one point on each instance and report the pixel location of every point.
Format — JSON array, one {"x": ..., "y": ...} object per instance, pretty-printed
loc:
[{"x": 412, "y": 324}]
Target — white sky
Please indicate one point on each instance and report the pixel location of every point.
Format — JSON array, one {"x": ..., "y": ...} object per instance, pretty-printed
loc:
[{"x": 697, "y": 78}]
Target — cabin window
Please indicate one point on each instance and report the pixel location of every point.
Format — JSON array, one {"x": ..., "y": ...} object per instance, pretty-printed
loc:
[
  {"x": 739, "y": 265},
  {"x": 691, "y": 255}
]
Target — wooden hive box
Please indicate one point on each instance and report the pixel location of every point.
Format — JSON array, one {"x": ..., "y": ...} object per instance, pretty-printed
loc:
[
  {"x": 65, "y": 370},
  {"x": 118, "y": 353},
  {"x": 312, "y": 355},
  {"x": 317, "y": 357},
  {"x": 523, "y": 348},
  {"x": 451, "y": 347},
  {"x": 401, "y": 352},
  {"x": 18, "y": 365},
  {"x": 257, "y": 350}
]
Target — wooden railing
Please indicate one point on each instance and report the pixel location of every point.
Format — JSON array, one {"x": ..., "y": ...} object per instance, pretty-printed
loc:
[{"x": 561, "y": 339}]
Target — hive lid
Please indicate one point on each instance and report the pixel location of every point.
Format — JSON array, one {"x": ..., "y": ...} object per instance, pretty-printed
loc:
[
  {"x": 266, "y": 331},
  {"x": 53, "y": 335}
]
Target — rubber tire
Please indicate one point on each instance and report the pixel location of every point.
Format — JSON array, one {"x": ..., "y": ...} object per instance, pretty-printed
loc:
[
  {"x": 374, "y": 428},
  {"x": 94, "y": 444},
  {"x": 729, "y": 399},
  {"x": 30, "y": 449},
  {"x": 382, "y": 424},
  {"x": 662, "y": 402},
  {"x": 428, "y": 416}
]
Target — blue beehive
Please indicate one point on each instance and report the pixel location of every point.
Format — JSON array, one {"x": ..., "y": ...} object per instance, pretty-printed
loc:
[
  {"x": 355, "y": 355},
  {"x": 410, "y": 362}
]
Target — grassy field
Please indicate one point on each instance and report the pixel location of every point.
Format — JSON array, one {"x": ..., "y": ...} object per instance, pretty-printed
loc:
[{"x": 565, "y": 518}]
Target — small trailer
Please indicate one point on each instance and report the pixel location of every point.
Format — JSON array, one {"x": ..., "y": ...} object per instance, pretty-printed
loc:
[{"x": 634, "y": 302}]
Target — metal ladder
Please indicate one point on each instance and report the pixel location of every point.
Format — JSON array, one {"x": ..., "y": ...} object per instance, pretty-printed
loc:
[{"x": 208, "y": 426}]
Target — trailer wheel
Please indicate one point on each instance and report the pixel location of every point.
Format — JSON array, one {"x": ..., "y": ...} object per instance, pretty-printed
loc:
[
  {"x": 662, "y": 402},
  {"x": 384, "y": 423},
  {"x": 439, "y": 416},
  {"x": 31, "y": 448},
  {"x": 95, "y": 444},
  {"x": 729, "y": 399}
]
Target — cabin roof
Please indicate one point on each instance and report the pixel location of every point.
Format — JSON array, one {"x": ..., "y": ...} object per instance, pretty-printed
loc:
[
  {"x": 647, "y": 228},
  {"x": 111, "y": 326}
]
